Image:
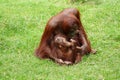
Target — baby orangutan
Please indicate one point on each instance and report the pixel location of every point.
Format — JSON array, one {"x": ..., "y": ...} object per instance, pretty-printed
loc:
[{"x": 67, "y": 47}]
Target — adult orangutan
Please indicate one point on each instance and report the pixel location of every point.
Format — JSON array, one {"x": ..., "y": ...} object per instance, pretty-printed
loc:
[{"x": 64, "y": 39}]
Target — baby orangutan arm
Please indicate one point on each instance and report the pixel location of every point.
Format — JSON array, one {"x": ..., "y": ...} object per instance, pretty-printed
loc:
[{"x": 61, "y": 41}]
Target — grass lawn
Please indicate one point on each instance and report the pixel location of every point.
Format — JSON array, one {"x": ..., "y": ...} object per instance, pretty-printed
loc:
[{"x": 22, "y": 23}]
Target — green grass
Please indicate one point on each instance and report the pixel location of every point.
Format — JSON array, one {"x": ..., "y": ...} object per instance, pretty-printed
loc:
[{"x": 22, "y": 23}]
